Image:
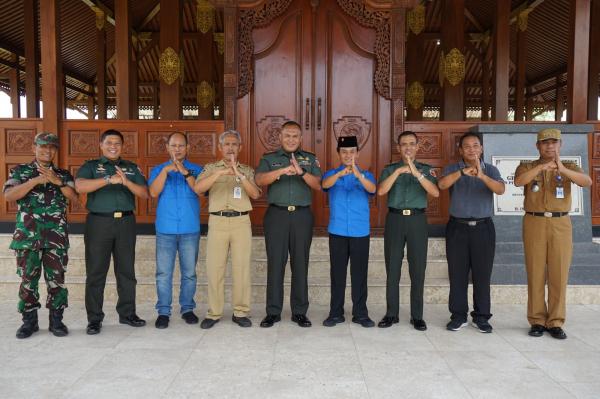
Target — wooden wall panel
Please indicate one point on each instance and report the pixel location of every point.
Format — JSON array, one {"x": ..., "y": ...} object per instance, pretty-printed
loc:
[{"x": 594, "y": 157}]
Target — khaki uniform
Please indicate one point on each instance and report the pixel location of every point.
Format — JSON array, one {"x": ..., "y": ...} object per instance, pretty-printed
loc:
[
  {"x": 232, "y": 232},
  {"x": 548, "y": 243}
]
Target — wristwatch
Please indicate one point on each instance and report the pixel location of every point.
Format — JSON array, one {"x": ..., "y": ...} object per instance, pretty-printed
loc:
[
  {"x": 188, "y": 174},
  {"x": 303, "y": 172},
  {"x": 107, "y": 179}
]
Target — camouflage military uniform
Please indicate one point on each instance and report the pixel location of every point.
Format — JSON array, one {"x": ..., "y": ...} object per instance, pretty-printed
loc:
[{"x": 41, "y": 238}]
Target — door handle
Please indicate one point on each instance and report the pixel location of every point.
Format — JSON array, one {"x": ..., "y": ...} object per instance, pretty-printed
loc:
[
  {"x": 319, "y": 113},
  {"x": 307, "y": 115}
]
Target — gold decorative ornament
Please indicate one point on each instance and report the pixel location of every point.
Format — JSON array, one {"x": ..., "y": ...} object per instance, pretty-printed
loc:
[
  {"x": 219, "y": 38},
  {"x": 169, "y": 67},
  {"x": 205, "y": 94},
  {"x": 100, "y": 17},
  {"x": 205, "y": 15},
  {"x": 415, "y": 19},
  {"x": 415, "y": 95},
  {"x": 522, "y": 19},
  {"x": 442, "y": 69},
  {"x": 454, "y": 66}
]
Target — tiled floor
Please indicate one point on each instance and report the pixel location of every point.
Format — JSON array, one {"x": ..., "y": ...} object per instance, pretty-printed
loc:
[{"x": 285, "y": 361}]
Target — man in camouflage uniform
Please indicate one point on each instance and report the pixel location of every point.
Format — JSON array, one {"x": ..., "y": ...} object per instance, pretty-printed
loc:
[{"x": 40, "y": 238}]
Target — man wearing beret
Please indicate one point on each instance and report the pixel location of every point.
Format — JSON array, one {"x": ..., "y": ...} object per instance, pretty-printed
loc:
[
  {"x": 41, "y": 239},
  {"x": 349, "y": 189},
  {"x": 547, "y": 232}
]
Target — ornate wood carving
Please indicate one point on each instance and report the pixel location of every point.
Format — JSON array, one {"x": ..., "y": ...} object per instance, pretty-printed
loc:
[
  {"x": 433, "y": 206},
  {"x": 430, "y": 146},
  {"x": 596, "y": 145},
  {"x": 84, "y": 143},
  {"x": 380, "y": 20},
  {"x": 130, "y": 145},
  {"x": 596, "y": 191},
  {"x": 202, "y": 143},
  {"x": 155, "y": 143},
  {"x": 268, "y": 129},
  {"x": 454, "y": 154},
  {"x": 79, "y": 207},
  {"x": 352, "y": 126},
  {"x": 19, "y": 141},
  {"x": 248, "y": 20},
  {"x": 151, "y": 203}
]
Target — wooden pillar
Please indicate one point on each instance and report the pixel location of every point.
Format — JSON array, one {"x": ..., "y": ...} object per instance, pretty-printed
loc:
[
  {"x": 453, "y": 37},
  {"x": 52, "y": 77},
  {"x": 171, "y": 38},
  {"x": 155, "y": 110},
  {"x": 101, "y": 68},
  {"x": 559, "y": 104},
  {"x": 123, "y": 53},
  {"x": 205, "y": 63},
  {"x": 32, "y": 59},
  {"x": 577, "y": 70},
  {"x": 14, "y": 81},
  {"x": 91, "y": 106},
  {"x": 398, "y": 34},
  {"x": 414, "y": 71},
  {"x": 521, "y": 63},
  {"x": 593, "y": 91},
  {"x": 485, "y": 89},
  {"x": 501, "y": 60},
  {"x": 529, "y": 106},
  {"x": 230, "y": 75}
]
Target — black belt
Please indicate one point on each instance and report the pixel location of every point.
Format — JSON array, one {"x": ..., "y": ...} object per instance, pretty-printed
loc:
[
  {"x": 115, "y": 214},
  {"x": 407, "y": 212},
  {"x": 229, "y": 214},
  {"x": 291, "y": 208},
  {"x": 548, "y": 214},
  {"x": 470, "y": 222}
]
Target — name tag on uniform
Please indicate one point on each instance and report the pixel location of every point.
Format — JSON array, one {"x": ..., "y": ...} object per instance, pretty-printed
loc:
[
  {"x": 237, "y": 192},
  {"x": 560, "y": 192}
]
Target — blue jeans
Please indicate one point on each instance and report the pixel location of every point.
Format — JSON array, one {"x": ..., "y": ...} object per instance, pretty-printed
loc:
[{"x": 167, "y": 246}]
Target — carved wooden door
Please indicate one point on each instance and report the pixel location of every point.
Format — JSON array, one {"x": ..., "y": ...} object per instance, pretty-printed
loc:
[{"x": 315, "y": 63}]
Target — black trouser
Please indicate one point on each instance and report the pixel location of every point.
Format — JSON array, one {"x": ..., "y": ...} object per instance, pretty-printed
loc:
[
  {"x": 470, "y": 248},
  {"x": 401, "y": 230},
  {"x": 105, "y": 236},
  {"x": 287, "y": 231},
  {"x": 356, "y": 249}
]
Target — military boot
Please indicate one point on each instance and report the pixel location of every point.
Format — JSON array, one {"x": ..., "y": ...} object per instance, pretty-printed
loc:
[
  {"x": 56, "y": 325},
  {"x": 30, "y": 324}
]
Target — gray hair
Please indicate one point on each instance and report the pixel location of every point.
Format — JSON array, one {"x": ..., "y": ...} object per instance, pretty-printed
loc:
[{"x": 230, "y": 132}]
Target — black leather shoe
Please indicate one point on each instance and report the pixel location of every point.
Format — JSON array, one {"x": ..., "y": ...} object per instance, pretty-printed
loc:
[
  {"x": 94, "y": 328},
  {"x": 333, "y": 320},
  {"x": 162, "y": 322},
  {"x": 557, "y": 332},
  {"x": 419, "y": 324},
  {"x": 241, "y": 321},
  {"x": 190, "y": 318},
  {"x": 301, "y": 320},
  {"x": 536, "y": 330},
  {"x": 363, "y": 321},
  {"x": 269, "y": 320},
  {"x": 387, "y": 321},
  {"x": 132, "y": 320},
  {"x": 208, "y": 323}
]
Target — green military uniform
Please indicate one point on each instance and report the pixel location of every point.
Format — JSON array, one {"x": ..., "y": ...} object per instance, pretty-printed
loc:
[
  {"x": 406, "y": 224},
  {"x": 110, "y": 230},
  {"x": 288, "y": 227},
  {"x": 41, "y": 238}
]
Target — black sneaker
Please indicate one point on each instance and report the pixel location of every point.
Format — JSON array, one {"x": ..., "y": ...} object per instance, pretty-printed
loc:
[
  {"x": 162, "y": 322},
  {"x": 482, "y": 325},
  {"x": 190, "y": 317},
  {"x": 455, "y": 325}
]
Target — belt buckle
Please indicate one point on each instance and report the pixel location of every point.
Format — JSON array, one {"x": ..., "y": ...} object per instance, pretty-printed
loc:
[
  {"x": 548, "y": 214},
  {"x": 472, "y": 223},
  {"x": 291, "y": 208},
  {"x": 118, "y": 215},
  {"x": 406, "y": 212}
]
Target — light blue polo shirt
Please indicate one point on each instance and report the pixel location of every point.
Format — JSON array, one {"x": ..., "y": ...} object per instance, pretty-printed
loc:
[
  {"x": 348, "y": 205},
  {"x": 178, "y": 210}
]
